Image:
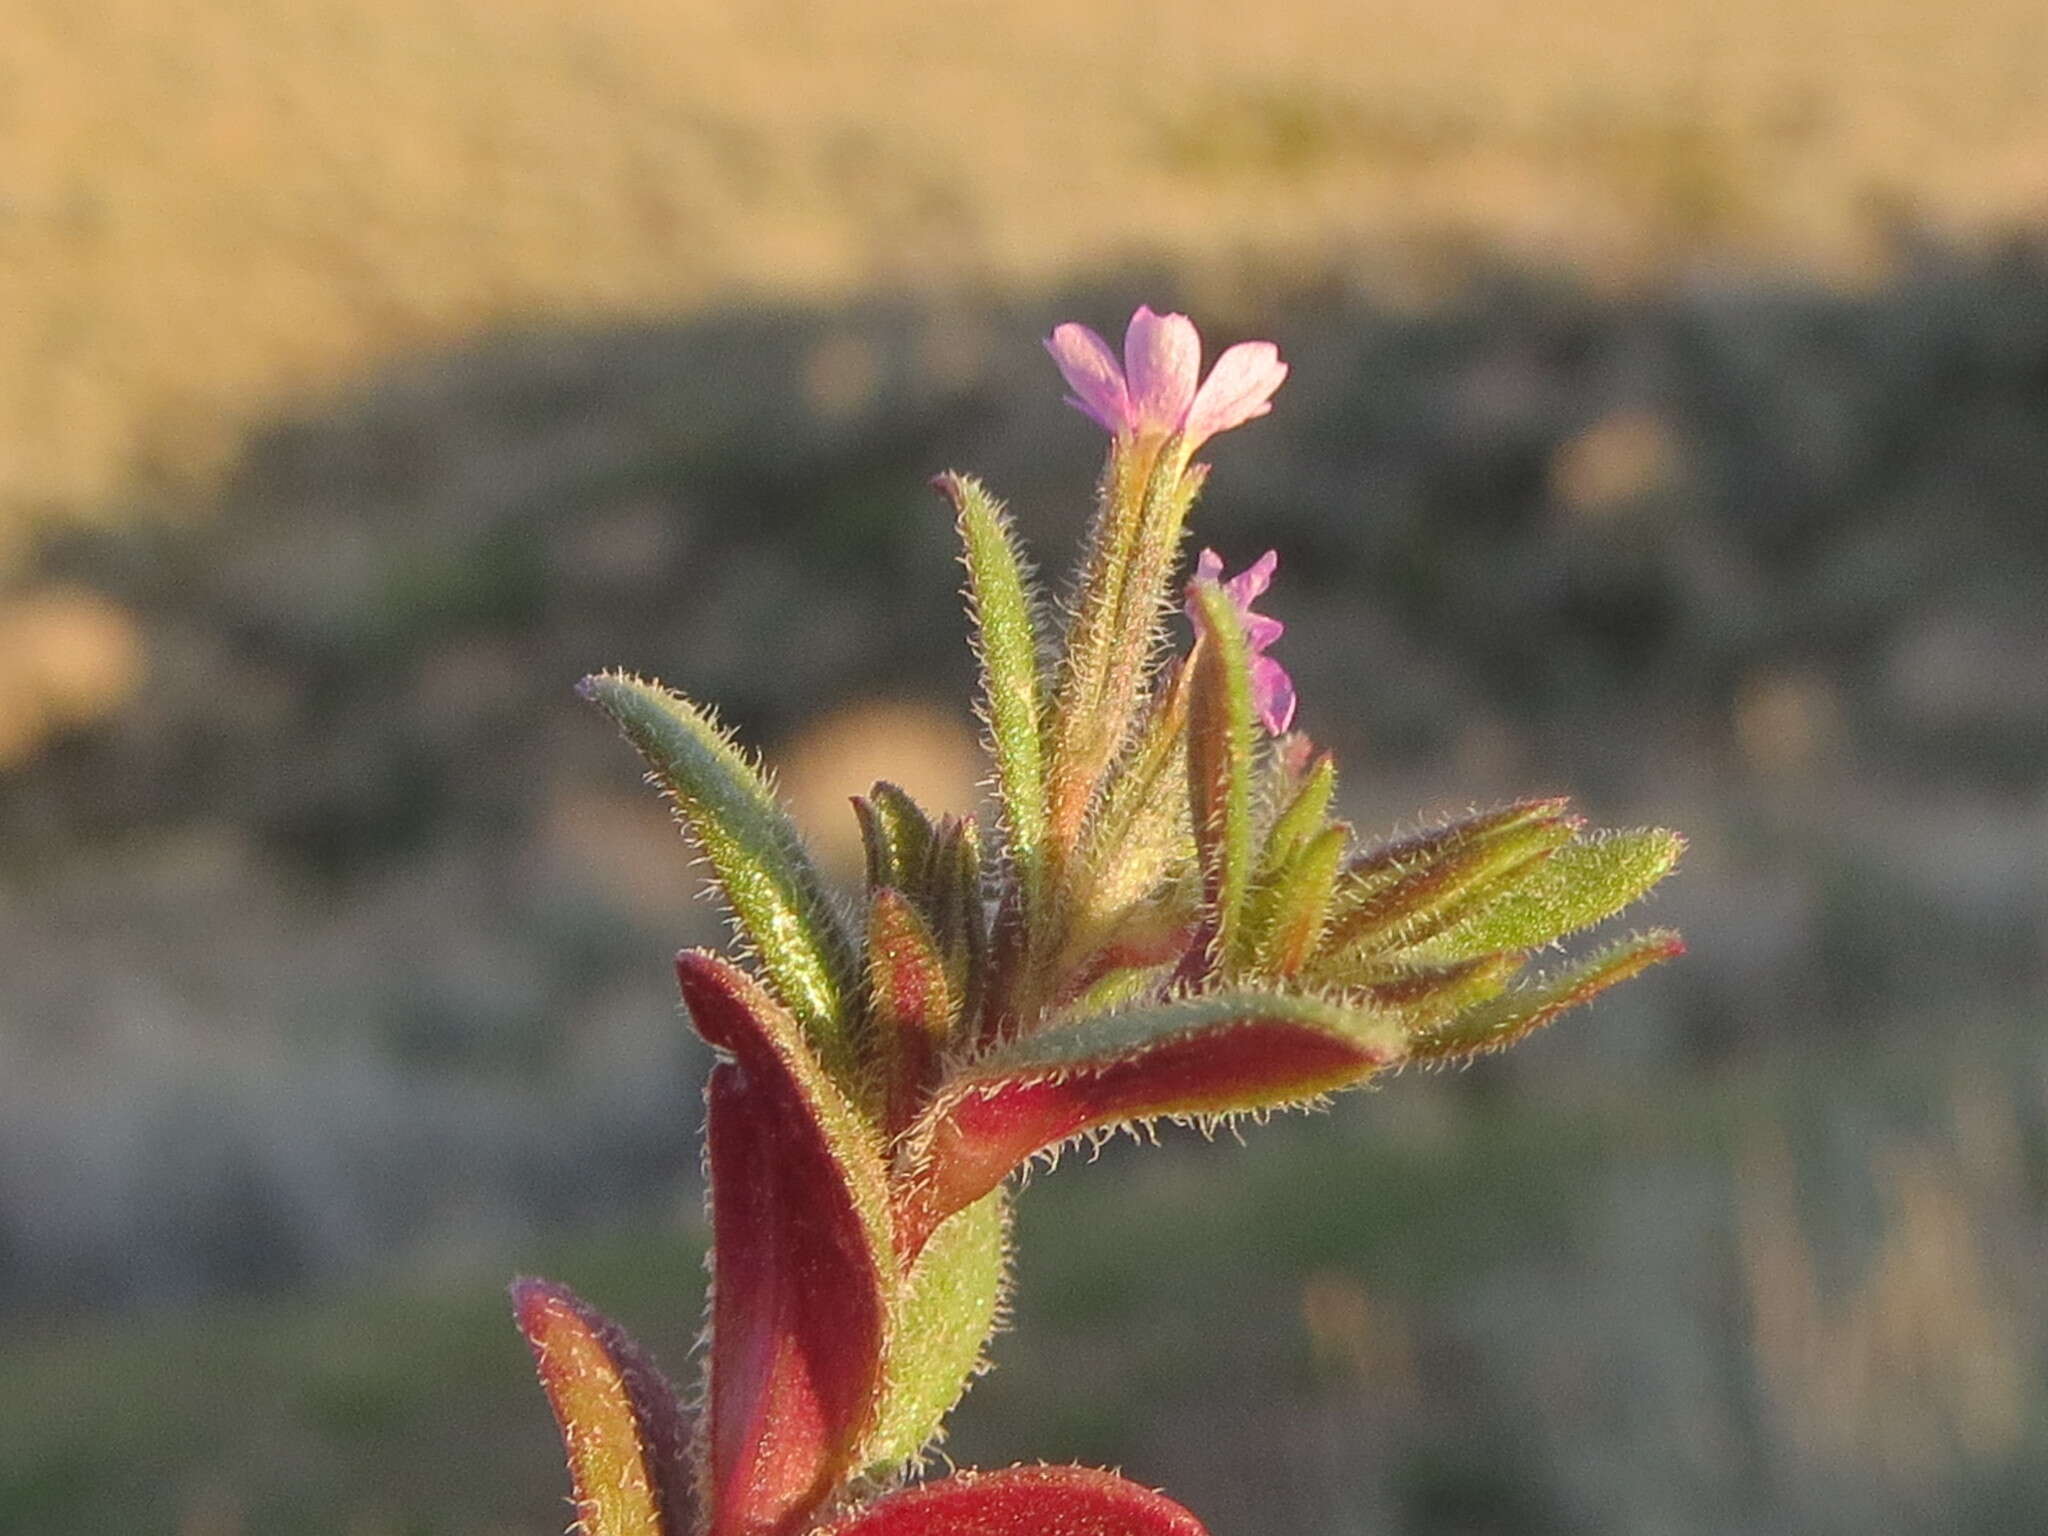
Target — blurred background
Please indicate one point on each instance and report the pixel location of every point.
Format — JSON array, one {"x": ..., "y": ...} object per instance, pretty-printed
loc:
[{"x": 1668, "y": 426}]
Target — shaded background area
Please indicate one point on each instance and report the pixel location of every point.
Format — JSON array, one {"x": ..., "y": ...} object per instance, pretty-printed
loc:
[{"x": 1669, "y": 426}]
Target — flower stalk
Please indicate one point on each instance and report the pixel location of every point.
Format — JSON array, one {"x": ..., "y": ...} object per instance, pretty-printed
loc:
[{"x": 1167, "y": 921}]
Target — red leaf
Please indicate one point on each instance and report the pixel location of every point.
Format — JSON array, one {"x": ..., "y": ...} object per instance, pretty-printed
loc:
[
  {"x": 799, "y": 1219},
  {"x": 1024, "y": 1501},
  {"x": 621, "y": 1427}
]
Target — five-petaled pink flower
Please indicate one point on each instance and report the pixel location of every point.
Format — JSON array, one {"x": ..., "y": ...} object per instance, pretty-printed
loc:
[
  {"x": 1272, "y": 688},
  {"x": 1154, "y": 393}
]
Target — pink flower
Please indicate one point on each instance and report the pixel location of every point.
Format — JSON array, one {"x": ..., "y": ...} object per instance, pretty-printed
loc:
[
  {"x": 1154, "y": 393},
  {"x": 1272, "y": 688}
]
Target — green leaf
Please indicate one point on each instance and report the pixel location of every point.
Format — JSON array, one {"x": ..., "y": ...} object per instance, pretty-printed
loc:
[
  {"x": 948, "y": 1309},
  {"x": 759, "y": 861},
  {"x": 1220, "y": 737},
  {"x": 895, "y": 835},
  {"x": 999, "y": 592},
  {"x": 1499, "y": 1023},
  {"x": 1580, "y": 884}
]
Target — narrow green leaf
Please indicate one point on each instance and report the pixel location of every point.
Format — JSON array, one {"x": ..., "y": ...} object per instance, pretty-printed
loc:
[
  {"x": 1499, "y": 1023},
  {"x": 999, "y": 592},
  {"x": 947, "y": 1311},
  {"x": 1220, "y": 737},
  {"x": 1580, "y": 884},
  {"x": 896, "y": 836},
  {"x": 759, "y": 861}
]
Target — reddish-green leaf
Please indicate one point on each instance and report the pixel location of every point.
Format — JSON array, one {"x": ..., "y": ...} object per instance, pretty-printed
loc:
[
  {"x": 621, "y": 1426},
  {"x": 1499, "y": 1023},
  {"x": 910, "y": 1000},
  {"x": 1584, "y": 882},
  {"x": 1023, "y": 1501},
  {"x": 1206, "y": 1056},
  {"x": 1389, "y": 900},
  {"x": 804, "y": 1265}
]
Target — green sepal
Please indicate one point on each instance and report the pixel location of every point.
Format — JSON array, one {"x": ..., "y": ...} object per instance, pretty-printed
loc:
[
  {"x": 1000, "y": 596},
  {"x": 947, "y": 1310},
  {"x": 896, "y": 836},
  {"x": 1220, "y": 737},
  {"x": 766, "y": 877},
  {"x": 1498, "y": 1024},
  {"x": 1582, "y": 883},
  {"x": 1301, "y": 819},
  {"x": 1292, "y": 907},
  {"x": 956, "y": 910},
  {"x": 1140, "y": 833}
]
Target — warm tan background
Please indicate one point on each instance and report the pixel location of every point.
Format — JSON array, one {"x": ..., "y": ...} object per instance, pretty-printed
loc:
[
  {"x": 1669, "y": 425},
  {"x": 204, "y": 206}
]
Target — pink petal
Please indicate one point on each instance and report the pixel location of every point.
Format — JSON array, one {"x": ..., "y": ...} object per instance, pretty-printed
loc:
[
  {"x": 1091, "y": 372},
  {"x": 1250, "y": 584},
  {"x": 1162, "y": 361},
  {"x": 1238, "y": 388},
  {"x": 1272, "y": 694},
  {"x": 1209, "y": 567}
]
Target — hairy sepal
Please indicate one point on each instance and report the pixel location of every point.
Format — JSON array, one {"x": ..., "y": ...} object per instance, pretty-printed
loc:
[
  {"x": 1497, "y": 1024},
  {"x": 1218, "y": 1055},
  {"x": 766, "y": 877},
  {"x": 1304, "y": 816},
  {"x": 911, "y": 1001},
  {"x": 805, "y": 1263},
  {"x": 1023, "y": 1501},
  {"x": 895, "y": 835},
  {"x": 1220, "y": 741},
  {"x": 622, "y": 1428},
  {"x": 1581, "y": 883},
  {"x": 1000, "y": 597},
  {"x": 1290, "y": 909},
  {"x": 948, "y": 1307}
]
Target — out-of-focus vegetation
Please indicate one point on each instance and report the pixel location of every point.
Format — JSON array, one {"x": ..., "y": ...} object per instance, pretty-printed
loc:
[
  {"x": 1669, "y": 426},
  {"x": 203, "y": 208}
]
